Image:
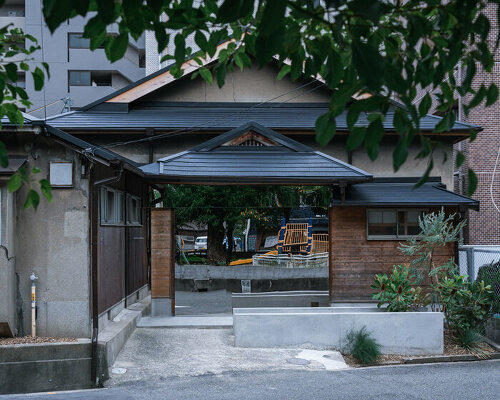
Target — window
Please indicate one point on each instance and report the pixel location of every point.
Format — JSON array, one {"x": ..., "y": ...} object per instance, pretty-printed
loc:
[
  {"x": 133, "y": 210},
  {"x": 112, "y": 207},
  {"x": 79, "y": 78},
  {"x": 77, "y": 41},
  {"x": 61, "y": 173},
  {"x": 392, "y": 223}
]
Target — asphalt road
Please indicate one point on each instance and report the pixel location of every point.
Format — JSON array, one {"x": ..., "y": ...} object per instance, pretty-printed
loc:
[{"x": 478, "y": 380}]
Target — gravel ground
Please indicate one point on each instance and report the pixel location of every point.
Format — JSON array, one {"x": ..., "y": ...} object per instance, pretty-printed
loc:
[{"x": 31, "y": 340}]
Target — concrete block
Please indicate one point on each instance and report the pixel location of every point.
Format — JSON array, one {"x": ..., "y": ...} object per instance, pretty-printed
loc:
[
  {"x": 398, "y": 333},
  {"x": 281, "y": 299},
  {"x": 162, "y": 306}
]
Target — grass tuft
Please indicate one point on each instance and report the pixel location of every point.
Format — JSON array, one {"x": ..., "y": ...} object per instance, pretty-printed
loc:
[{"x": 362, "y": 346}]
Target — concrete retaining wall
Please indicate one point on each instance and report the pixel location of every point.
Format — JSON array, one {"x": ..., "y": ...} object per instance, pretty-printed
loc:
[
  {"x": 407, "y": 333},
  {"x": 45, "y": 366},
  {"x": 263, "y": 279},
  {"x": 299, "y": 298}
]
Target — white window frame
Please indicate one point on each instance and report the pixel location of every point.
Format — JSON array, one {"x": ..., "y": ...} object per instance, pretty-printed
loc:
[
  {"x": 118, "y": 213},
  {"x": 130, "y": 220},
  {"x": 391, "y": 237}
]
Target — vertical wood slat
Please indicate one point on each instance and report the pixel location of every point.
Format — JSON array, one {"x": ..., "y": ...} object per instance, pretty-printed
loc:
[
  {"x": 162, "y": 253},
  {"x": 330, "y": 253}
]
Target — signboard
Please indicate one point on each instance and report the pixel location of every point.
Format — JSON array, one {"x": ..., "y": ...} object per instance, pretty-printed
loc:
[
  {"x": 246, "y": 286},
  {"x": 271, "y": 241},
  {"x": 61, "y": 173}
]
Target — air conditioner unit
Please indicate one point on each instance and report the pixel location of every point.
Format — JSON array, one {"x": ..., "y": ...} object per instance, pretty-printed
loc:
[{"x": 11, "y": 13}]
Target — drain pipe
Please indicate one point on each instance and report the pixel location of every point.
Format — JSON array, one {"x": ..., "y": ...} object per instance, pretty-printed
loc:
[
  {"x": 33, "y": 279},
  {"x": 93, "y": 188}
]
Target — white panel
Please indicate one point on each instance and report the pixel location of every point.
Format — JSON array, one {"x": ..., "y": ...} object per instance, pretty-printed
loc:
[{"x": 61, "y": 173}]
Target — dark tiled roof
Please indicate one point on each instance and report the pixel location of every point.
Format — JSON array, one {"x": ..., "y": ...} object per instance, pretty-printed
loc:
[
  {"x": 15, "y": 162},
  {"x": 395, "y": 192},
  {"x": 287, "y": 162},
  {"x": 221, "y": 116}
]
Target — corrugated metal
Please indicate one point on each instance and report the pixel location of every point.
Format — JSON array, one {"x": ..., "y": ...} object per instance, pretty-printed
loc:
[
  {"x": 404, "y": 194},
  {"x": 220, "y": 117},
  {"x": 284, "y": 162}
]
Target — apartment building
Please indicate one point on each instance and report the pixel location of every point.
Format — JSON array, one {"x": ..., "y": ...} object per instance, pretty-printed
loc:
[{"x": 78, "y": 75}]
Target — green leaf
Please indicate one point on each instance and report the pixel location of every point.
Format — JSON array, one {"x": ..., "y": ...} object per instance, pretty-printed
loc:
[
  {"x": 426, "y": 174},
  {"x": 38, "y": 78},
  {"x": 333, "y": 69},
  {"x": 180, "y": 49},
  {"x": 369, "y": 63},
  {"x": 238, "y": 61},
  {"x": 14, "y": 183},
  {"x": 400, "y": 154},
  {"x": 374, "y": 135},
  {"x": 35, "y": 170},
  {"x": 446, "y": 123},
  {"x": 356, "y": 138},
  {"x": 11, "y": 70},
  {"x": 284, "y": 71},
  {"x": 460, "y": 159},
  {"x": 206, "y": 74},
  {"x": 232, "y": 10},
  {"x": 425, "y": 105},
  {"x": 32, "y": 199},
  {"x": 116, "y": 46},
  {"x": 273, "y": 16},
  {"x": 221, "y": 75},
  {"x": 491, "y": 95},
  {"x": 325, "y": 129},
  {"x": 472, "y": 182},
  {"x": 46, "y": 189},
  {"x": 4, "y": 159},
  {"x": 201, "y": 40}
]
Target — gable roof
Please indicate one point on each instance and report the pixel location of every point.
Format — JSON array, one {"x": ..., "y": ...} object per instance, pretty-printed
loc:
[{"x": 280, "y": 161}]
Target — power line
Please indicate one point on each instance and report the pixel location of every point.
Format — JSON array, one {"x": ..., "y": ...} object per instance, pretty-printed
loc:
[{"x": 227, "y": 119}]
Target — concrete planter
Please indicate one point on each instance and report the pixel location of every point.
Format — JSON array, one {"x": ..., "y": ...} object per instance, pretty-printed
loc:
[
  {"x": 408, "y": 333},
  {"x": 298, "y": 298}
]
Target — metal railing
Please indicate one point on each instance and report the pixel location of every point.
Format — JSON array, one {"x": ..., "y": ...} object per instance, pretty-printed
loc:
[
  {"x": 472, "y": 258},
  {"x": 316, "y": 260}
]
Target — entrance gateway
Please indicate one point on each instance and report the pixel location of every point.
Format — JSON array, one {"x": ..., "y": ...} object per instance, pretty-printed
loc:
[
  {"x": 254, "y": 155},
  {"x": 248, "y": 155}
]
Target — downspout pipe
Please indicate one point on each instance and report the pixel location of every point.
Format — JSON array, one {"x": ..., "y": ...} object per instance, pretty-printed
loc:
[{"x": 93, "y": 189}]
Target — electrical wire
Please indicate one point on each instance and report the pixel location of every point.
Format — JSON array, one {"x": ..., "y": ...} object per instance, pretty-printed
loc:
[
  {"x": 493, "y": 179},
  {"x": 226, "y": 119}
]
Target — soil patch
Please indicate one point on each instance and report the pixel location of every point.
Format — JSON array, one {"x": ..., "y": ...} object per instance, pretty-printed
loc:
[
  {"x": 451, "y": 348},
  {"x": 33, "y": 340}
]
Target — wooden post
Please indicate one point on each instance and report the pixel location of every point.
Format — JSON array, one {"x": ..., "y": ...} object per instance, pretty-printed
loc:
[
  {"x": 330, "y": 254},
  {"x": 162, "y": 261}
]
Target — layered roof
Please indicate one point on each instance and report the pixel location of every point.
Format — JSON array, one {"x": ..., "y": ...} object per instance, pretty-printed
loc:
[
  {"x": 401, "y": 192},
  {"x": 222, "y": 116},
  {"x": 253, "y": 154}
]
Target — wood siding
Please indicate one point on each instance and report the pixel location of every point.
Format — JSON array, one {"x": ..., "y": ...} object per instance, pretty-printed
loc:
[
  {"x": 354, "y": 260},
  {"x": 121, "y": 254},
  {"x": 162, "y": 253}
]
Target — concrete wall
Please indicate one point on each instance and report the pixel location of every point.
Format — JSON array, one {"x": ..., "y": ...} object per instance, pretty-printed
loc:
[
  {"x": 53, "y": 243},
  {"x": 250, "y": 85},
  {"x": 8, "y": 286},
  {"x": 398, "y": 333}
]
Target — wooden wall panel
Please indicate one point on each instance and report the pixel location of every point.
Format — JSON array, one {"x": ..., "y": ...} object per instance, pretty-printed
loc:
[
  {"x": 162, "y": 253},
  {"x": 354, "y": 260}
]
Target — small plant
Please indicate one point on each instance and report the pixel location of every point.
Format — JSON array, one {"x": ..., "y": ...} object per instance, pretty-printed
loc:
[
  {"x": 469, "y": 339},
  {"x": 362, "y": 346},
  {"x": 397, "y": 291},
  {"x": 466, "y": 306},
  {"x": 490, "y": 274}
]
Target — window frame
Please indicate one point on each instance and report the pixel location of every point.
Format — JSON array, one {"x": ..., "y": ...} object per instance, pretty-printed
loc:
[
  {"x": 392, "y": 237},
  {"x": 119, "y": 197},
  {"x": 129, "y": 207},
  {"x": 70, "y": 34},
  {"x": 79, "y": 71}
]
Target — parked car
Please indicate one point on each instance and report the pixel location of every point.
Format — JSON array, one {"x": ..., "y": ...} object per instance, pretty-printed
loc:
[{"x": 200, "y": 244}]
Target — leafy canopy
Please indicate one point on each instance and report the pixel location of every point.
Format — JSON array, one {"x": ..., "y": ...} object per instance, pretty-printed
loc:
[{"x": 388, "y": 49}]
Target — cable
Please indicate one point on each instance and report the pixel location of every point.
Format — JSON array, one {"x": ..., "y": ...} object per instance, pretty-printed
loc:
[
  {"x": 230, "y": 118},
  {"x": 493, "y": 179}
]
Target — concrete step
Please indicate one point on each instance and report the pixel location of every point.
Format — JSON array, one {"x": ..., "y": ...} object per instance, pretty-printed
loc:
[{"x": 213, "y": 321}]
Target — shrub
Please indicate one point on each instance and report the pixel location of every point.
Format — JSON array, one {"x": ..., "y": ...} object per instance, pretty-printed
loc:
[
  {"x": 490, "y": 274},
  {"x": 397, "y": 291},
  {"x": 466, "y": 305},
  {"x": 362, "y": 346},
  {"x": 469, "y": 339}
]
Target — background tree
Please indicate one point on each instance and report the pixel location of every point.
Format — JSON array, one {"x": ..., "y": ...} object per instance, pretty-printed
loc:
[
  {"x": 367, "y": 52},
  {"x": 16, "y": 49}
]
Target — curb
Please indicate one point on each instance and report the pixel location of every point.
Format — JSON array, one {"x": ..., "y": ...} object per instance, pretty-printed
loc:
[{"x": 453, "y": 358}]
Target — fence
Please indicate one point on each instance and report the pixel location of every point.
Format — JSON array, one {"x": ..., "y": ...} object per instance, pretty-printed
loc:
[
  {"x": 291, "y": 260},
  {"x": 472, "y": 258}
]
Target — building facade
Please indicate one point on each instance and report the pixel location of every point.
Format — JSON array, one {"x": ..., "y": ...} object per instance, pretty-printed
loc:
[{"x": 78, "y": 75}]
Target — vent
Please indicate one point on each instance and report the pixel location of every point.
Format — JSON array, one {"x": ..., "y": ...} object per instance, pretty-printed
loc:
[
  {"x": 251, "y": 142},
  {"x": 251, "y": 139}
]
